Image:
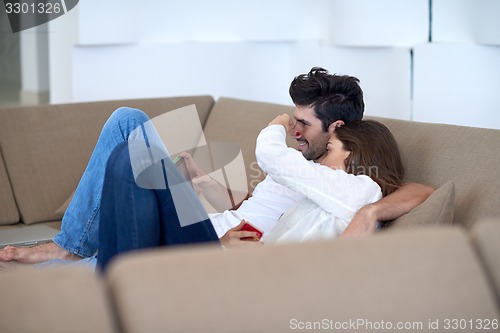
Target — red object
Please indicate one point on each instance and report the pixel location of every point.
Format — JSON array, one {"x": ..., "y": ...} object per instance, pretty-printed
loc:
[
  {"x": 297, "y": 133},
  {"x": 248, "y": 227}
]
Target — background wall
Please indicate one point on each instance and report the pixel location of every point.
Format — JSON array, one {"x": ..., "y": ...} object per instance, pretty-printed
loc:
[{"x": 425, "y": 60}]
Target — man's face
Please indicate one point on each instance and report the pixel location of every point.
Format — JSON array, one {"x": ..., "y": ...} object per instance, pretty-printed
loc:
[{"x": 309, "y": 134}]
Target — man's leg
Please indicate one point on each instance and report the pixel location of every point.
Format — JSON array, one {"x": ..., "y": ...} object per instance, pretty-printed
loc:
[
  {"x": 134, "y": 218},
  {"x": 79, "y": 231}
]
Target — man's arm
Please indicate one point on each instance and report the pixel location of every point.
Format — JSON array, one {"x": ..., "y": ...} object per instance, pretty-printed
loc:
[{"x": 398, "y": 203}]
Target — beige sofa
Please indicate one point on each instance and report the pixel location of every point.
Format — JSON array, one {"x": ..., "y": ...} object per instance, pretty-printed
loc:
[{"x": 434, "y": 266}]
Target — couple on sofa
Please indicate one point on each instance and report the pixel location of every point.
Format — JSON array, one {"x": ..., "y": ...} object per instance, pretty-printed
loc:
[{"x": 331, "y": 192}]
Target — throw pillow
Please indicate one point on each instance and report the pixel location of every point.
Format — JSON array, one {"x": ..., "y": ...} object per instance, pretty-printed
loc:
[{"x": 438, "y": 209}]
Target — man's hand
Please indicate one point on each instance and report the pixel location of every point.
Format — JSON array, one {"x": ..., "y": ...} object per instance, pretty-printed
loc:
[
  {"x": 285, "y": 120},
  {"x": 232, "y": 238}
]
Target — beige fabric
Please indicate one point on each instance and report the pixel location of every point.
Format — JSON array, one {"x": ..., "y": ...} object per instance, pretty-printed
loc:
[
  {"x": 437, "y": 209},
  {"x": 239, "y": 122},
  {"x": 468, "y": 156},
  {"x": 8, "y": 209},
  {"x": 46, "y": 148},
  {"x": 61, "y": 210},
  {"x": 394, "y": 277},
  {"x": 52, "y": 224},
  {"x": 57, "y": 300},
  {"x": 486, "y": 237}
]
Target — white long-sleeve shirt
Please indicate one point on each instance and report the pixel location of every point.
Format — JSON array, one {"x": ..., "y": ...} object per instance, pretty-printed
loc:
[
  {"x": 268, "y": 202},
  {"x": 331, "y": 197}
]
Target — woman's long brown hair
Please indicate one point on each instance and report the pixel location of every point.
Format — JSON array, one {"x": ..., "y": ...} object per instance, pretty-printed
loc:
[{"x": 374, "y": 152}]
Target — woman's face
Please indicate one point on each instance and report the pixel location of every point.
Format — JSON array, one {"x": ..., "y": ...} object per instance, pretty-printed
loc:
[{"x": 335, "y": 154}]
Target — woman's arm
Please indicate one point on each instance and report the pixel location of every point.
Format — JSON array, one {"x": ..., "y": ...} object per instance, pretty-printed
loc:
[{"x": 220, "y": 197}]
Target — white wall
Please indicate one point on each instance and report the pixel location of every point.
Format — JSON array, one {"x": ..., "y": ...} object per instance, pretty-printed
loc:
[
  {"x": 379, "y": 23},
  {"x": 458, "y": 84},
  {"x": 466, "y": 21},
  {"x": 252, "y": 49},
  {"x": 63, "y": 38},
  {"x": 241, "y": 70}
]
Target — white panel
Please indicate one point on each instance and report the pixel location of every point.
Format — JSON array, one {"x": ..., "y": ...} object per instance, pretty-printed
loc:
[
  {"x": 466, "y": 21},
  {"x": 304, "y": 56},
  {"x": 314, "y": 20},
  {"x": 63, "y": 34},
  {"x": 457, "y": 84},
  {"x": 128, "y": 21},
  {"x": 109, "y": 21},
  {"x": 486, "y": 21},
  {"x": 222, "y": 20},
  {"x": 451, "y": 20},
  {"x": 379, "y": 23},
  {"x": 384, "y": 74},
  {"x": 240, "y": 70}
]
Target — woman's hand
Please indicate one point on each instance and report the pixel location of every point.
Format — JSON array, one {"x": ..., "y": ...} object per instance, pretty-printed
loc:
[
  {"x": 233, "y": 237},
  {"x": 284, "y": 120}
]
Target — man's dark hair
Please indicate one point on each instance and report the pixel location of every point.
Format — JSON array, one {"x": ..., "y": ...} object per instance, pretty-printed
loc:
[{"x": 333, "y": 97}]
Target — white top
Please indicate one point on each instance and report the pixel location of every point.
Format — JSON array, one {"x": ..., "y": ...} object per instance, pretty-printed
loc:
[
  {"x": 268, "y": 202},
  {"x": 330, "y": 199}
]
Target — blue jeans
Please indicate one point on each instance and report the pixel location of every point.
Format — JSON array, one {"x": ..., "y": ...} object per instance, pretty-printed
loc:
[
  {"x": 135, "y": 218},
  {"x": 80, "y": 224}
]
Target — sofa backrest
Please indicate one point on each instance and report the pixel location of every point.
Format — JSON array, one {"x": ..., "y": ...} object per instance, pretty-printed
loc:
[
  {"x": 435, "y": 154},
  {"x": 8, "y": 212},
  {"x": 415, "y": 277},
  {"x": 485, "y": 236},
  {"x": 56, "y": 300},
  {"x": 46, "y": 148}
]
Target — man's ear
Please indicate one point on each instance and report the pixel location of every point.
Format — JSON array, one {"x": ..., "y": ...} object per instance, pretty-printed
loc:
[{"x": 334, "y": 125}]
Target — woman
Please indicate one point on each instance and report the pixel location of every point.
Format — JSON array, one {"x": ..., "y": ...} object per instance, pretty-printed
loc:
[{"x": 333, "y": 191}]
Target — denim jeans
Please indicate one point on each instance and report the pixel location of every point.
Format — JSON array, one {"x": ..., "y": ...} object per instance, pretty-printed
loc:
[
  {"x": 135, "y": 218},
  {"x": 80, "y": 224}
]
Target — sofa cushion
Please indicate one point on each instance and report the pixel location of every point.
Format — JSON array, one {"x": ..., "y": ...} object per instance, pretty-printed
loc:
[
  {"x": 58, "y": 300},
  {"x": 46, "y": 148},
  {"x": 395, "y": 277},
  {"x": 239, "y": 122},
  {"x": 486, "y": 238},
  {"x": 62, "y": 209},
  {"x": 436, "y": 153},
  {"x": 437, "y": 209},
  {"x": 8, "y": 213}
]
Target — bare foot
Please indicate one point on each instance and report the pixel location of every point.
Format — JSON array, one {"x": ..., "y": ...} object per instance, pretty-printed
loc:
[{"x": 36, "y": 254}]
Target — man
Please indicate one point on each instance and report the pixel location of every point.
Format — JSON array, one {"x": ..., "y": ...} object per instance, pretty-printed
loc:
[{"x": 322, "y": 102}]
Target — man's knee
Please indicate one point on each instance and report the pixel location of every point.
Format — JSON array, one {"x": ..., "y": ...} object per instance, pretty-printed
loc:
[{"x": 126, "y": 114}]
